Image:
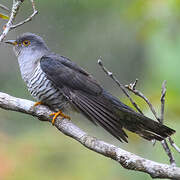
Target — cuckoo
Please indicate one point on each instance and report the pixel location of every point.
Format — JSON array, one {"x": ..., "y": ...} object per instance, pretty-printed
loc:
[{"x": 59, "y": 83}]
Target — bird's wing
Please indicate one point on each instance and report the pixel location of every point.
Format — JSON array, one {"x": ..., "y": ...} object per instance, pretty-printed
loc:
[
  {"x": 65, "y": 73},
  {"x": 83, "y": 92}
]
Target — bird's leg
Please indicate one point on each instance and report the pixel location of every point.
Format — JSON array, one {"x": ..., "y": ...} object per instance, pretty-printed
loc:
[
  {"x": 37, "y": 103},
  {"x": 59, "y": 113}
]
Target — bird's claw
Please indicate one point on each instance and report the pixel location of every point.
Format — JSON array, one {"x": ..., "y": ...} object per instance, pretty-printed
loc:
[{"x": 59, "y": 113}]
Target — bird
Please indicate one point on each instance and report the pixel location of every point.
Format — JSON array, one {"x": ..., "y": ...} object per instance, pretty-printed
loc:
[{"x": 56, "y": 81}]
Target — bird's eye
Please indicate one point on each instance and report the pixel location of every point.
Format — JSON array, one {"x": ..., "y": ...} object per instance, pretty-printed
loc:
[{"x": 26, "y": 42}]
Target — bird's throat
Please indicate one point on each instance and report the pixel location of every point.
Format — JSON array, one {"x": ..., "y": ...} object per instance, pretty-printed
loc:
[{"x": 28, "y": 62}]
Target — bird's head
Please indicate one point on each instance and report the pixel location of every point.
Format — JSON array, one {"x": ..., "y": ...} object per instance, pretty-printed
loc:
[{"x": 28, "y": 44}]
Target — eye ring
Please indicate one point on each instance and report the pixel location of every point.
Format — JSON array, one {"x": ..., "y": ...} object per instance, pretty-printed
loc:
[{"x": 26, "y": 42}]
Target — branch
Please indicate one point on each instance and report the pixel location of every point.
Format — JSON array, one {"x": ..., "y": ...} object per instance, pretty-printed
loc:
[
  {"x": 29, "y": 18},
  {"x": 126, "y": 159},
  {"x": 4, "y": 7},
  {"x": 164, "y": 142},
  {"x": 173, "y": 144},
  {"x": 163, "y": 94},
  {"x": 110, "y": 74},
  {"x": 15, "y": 8},
  {"x": 132, "y": 88}
]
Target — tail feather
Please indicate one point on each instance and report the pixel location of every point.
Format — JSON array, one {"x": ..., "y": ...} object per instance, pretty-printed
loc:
[
  {"x": 149, "y": 135},
  {"x": 101, "y": 118},
  {"x": 108, "y": 112},
  {"x": 143, "y": 126}
]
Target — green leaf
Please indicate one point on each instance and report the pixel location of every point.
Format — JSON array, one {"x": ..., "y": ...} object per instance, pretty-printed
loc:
[{"x": 2, "y": 16}]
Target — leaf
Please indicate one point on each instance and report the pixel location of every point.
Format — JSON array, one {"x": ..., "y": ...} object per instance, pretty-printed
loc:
[{"x": 2, "y": 16}]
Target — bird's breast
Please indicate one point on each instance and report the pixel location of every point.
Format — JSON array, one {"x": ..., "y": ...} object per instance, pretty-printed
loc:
[{"x": 44, "y": 90}]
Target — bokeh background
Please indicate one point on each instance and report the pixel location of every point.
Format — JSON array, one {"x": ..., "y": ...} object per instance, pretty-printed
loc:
[{"x": 136, "y": 39}]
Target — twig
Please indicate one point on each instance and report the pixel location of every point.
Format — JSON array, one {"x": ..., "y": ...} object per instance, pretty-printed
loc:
[
  {"x": 163, "y": 93},
  {"x": 168, "y": 152},
  {"x": 132, "y": 88},
  {"x": 9, "y": 25},
  {"x": 29, "y": 18},
  {"x": 14, "y": 10},
  {"x": 173, "y": 144},
  {"x": 4, "y": 7},
  {"x": 126, "y": 159},
  {"x": 110, "y": 74},
  {"x": 164, "y": 143},
  {"x": 33, "y": 5}
]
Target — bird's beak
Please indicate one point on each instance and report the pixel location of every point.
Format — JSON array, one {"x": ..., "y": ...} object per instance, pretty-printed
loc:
[{"x": 12, "y": 42}]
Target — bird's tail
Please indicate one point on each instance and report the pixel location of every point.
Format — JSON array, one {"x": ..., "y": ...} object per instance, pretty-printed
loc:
[{"x": 108, "y": 112}]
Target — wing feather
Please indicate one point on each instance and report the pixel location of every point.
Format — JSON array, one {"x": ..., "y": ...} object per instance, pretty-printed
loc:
[{"x": 65, "y": 74}]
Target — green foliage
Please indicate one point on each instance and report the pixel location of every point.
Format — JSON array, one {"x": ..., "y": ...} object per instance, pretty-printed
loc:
[{"x": 2, "y": 16}]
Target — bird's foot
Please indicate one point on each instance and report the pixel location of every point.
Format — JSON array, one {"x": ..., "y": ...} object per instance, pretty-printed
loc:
[
  {"x": 59, "y": 113},
  {"x": 36, "y": 104}
]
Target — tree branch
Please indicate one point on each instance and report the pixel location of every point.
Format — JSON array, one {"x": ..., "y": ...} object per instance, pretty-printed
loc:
[
  {"x": 110, "y": 74},
  {"x": 15, "y": 8},
  {"x": 4, "y": 7},
  {"x": 132, "y": 88},
  {"x": 164, "y": 142},
  {"x": 29, "y": 18},
  {"x": 126, "y": 159}
]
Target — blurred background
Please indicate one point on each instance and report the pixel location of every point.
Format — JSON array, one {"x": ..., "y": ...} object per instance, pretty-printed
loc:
[{"x": 136, "y": 39}]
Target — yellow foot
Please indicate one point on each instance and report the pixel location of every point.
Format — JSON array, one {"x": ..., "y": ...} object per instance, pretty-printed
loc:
[
  {"x": 37, "y": 103},
  {"x": 59, "y": 113}
]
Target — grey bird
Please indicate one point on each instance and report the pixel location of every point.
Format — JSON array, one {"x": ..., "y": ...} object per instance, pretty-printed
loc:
[{"x": 59, "y": 83}]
